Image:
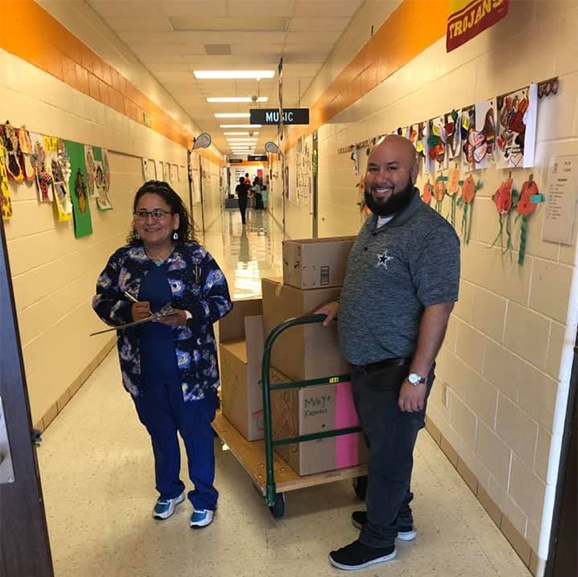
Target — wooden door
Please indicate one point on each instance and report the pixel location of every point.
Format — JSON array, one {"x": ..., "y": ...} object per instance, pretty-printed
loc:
[{"x": 24, "y": 546}]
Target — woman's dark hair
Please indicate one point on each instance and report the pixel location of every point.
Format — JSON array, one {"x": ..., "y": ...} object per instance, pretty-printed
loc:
[{"x": 185, "y": 231}]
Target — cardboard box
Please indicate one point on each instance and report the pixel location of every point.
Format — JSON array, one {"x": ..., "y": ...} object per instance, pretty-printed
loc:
[
  {"x": 307, "y": 351},
  {"x": 316, "y": 262},
  {"x": 241, "y": 353},
  {"x": 311, "y": 410}
]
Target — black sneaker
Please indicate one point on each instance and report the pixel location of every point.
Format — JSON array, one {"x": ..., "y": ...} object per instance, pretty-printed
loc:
[
  {"x": 404, "y": 532},
  {"x": 358, "y": 556}
]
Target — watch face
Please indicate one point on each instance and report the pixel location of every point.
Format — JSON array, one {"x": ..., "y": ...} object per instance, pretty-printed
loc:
[{"x": 414, "y": 379}]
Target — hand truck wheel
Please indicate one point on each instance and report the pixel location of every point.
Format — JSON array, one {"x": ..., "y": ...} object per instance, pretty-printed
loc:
[{"x": 278, "y": 509}]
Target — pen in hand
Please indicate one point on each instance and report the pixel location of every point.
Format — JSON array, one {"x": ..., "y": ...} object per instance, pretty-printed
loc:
[{"x": 130, "y": 297}]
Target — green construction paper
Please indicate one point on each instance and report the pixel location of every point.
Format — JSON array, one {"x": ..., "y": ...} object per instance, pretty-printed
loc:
[{"x": 80, "y": 200}]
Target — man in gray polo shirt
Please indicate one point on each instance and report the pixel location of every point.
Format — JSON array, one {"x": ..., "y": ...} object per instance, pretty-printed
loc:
[{"x": 401, "y": 284}]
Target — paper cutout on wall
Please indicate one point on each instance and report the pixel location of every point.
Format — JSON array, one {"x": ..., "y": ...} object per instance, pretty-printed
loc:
[
  {"x": 529, "y": 198},
  {"x": 504, "y": 199},
  {"x": 483, "y": 139},
  {"x": 452, "y": 124},
  {"x": 26, "y": 154},
  {"x": 57, "y": 161},
  {"x": 77, "y": 184},
  {"x": 146, "y": 170},
  {"x": 12, "y": 152},
  {"x": 437, "y": 143},
  {"x": 517, "y": 113},
  {"x": 467, "y": 127},
  {"x": 44, "y": 182},
  {"x": 90, "y": 170},
  {"x": 5, "y": 200},
  {"x": 452, "y": 189},
  {"x": 468, "y": 194}
]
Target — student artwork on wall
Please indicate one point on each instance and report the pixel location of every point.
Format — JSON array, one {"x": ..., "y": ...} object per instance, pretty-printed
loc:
[
  {"x": 517, "y": 113},
  {"x": 11, "y": 145},
  {"x": 468, "y": 193},
  {"x": 527, "y": 203},
  {"x": 467, "y": 128},
  {"x": 437, "y": 143},
  {"x": 5, "y": 200},
  {"x": 78, "y": 189},
  {"x": 483, "y": 139},
  {"x": 452, "y": 125},
  {"x": 44, "y": 182},
  {"x": 146, "y": 169},
  {"x": 101, "y": 182},
  {"x": 90, "y": 170},
  {"x": 59, "y": 164},
  {"x": 160, "y": 170},
  {"x": 173, "y": 173},
  {"x": 26, "y": 163}
]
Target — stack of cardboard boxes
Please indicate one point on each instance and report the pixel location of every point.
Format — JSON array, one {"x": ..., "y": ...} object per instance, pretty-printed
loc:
[{"x": 313, "y": 271}]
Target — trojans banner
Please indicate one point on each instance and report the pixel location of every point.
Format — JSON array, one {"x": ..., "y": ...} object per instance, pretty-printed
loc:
[{"x": 470, "y": 17}]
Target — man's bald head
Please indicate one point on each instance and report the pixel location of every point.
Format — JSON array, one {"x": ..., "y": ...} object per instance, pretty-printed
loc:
[{"x": 392, "y": 169}]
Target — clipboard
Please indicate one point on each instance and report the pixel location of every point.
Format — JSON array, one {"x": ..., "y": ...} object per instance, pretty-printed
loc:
[{"x": 166, "y": 311}]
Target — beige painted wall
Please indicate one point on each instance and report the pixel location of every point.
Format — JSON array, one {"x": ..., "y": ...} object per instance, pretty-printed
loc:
[
  {"x": 53, "y": 273},
  {"x": 504, "y": 361}
]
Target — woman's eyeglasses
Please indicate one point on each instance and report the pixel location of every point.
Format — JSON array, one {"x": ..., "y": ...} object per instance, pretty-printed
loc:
[{"x": 157, "y": 214}]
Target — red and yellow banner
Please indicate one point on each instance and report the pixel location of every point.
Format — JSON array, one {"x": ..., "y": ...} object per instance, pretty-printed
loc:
[{"x": 470, "y": 17}]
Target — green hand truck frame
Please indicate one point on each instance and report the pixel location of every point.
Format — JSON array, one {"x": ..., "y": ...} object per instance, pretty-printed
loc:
[{"x": 270, "y": 474}]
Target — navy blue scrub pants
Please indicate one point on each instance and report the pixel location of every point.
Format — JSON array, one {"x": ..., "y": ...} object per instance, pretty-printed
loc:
[
  {"x": 163, "y": 411},
  {"x": 391, "y": 435}
]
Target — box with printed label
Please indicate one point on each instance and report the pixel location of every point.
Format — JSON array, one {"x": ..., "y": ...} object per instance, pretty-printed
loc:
[
  {"x": 241, "y": 352},
  {"x": 316, "y": 262},
  {"x": 305, "y": 351},
  {"x": 311, "y": 410}
]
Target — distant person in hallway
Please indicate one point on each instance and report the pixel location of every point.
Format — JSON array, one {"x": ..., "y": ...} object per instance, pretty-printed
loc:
[
  {"x": 169, "y": 365},
  {"x": 400, "y": 287},
  {"x": 242, "y": 190},
  {"x": 257, "y": 192}
]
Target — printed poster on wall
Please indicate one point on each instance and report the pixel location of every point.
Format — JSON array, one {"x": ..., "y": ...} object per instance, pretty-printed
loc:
[
  {"x": 78, "y": 189},
  {"x": 468, "y": 18},
  {"x": 517, "y": 113}
]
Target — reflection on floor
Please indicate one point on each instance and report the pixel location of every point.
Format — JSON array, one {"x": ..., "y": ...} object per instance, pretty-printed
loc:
[{"x": 97, "y": 476}]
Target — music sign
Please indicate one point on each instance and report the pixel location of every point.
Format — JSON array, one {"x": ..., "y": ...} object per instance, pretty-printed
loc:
[{"x": 271, "y": 116}]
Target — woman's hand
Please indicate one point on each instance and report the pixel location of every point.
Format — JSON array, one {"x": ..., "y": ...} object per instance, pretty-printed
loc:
[
  {"x": 178, "y": 318},
  {"x": 141, "y": 310}
]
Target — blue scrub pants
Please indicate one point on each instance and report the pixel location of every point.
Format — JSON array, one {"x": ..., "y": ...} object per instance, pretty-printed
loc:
[{"x": 163, "y": 411}]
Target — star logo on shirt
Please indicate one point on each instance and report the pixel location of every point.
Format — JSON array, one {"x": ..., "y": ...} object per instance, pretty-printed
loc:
[{"x": 383, "y": 259}]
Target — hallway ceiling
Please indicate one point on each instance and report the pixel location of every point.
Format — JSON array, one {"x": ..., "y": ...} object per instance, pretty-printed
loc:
[{"x": 172, "y": 38}]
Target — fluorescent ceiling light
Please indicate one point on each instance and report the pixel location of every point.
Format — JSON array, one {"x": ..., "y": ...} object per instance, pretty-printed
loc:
[
  {"x": 237, "y": 99},
  {"x": 240, "y": 125},
  {"x": 233, "y": 74},
  {"x": 238, "y": 133},
  {"x": 242, "y": 139},
  {"x": 232, "y": 115}
]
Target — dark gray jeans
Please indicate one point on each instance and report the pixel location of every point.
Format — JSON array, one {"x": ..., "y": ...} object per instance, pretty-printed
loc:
[{"x": 391, "y": 435}]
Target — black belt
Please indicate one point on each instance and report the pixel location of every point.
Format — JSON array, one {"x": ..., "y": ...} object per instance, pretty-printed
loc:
[{"x": 371, "y": 367}]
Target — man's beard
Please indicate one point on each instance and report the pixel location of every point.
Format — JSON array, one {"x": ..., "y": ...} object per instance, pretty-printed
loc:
[{"x": 393, "y": 204}]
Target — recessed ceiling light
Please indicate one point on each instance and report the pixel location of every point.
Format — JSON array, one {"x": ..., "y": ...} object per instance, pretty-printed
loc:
[
  {"x": 240, "y": 125},
  {"x": 232, "y": 115},
  {"x": 237, "y": 99},
  {"x": 233, "y": 74}
]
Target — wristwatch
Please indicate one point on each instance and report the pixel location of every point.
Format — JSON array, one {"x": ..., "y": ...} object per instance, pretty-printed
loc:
[{"x": 415, "y": 379}]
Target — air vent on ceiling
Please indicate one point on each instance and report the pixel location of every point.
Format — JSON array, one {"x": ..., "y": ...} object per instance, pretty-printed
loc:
[{"x": 218, "y": 49}]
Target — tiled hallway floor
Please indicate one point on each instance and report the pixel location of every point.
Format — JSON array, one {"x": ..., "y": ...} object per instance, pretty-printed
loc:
[{"x": 97, "y": 475}]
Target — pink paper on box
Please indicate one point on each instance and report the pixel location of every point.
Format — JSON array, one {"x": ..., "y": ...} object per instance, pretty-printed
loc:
[{"x": 346, "y": 446}]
